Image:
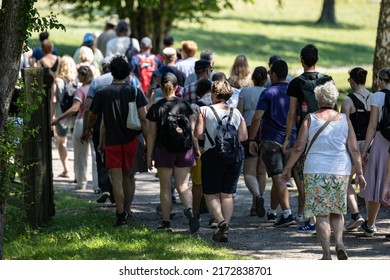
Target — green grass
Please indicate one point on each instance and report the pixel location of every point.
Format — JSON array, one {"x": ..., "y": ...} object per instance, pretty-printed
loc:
[
  {"x": 80, "y": 231},
  {"x": 262, "y": 29}
]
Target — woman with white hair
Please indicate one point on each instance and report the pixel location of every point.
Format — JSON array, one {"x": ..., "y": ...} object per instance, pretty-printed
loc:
[
  {"x": 86, "y": 58},
  {"x": 331, "y": 147}
]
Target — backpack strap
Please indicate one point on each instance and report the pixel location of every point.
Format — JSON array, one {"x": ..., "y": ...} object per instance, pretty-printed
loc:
[
  {"x": 356, "y": 102},
  {"x": 219, "y": 121}
]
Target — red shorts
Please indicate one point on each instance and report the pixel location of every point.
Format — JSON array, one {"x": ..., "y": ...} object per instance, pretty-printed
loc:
[{"x": 121, "y": 156}]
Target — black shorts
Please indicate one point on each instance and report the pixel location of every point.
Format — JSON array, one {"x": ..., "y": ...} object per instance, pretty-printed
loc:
[{"x": 218, "y": 177}]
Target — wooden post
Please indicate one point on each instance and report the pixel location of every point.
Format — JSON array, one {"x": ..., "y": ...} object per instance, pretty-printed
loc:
[{"x": 38, "y": 178}]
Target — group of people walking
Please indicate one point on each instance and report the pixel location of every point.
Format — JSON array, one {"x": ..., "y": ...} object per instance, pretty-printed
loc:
[{"x": 200, "y": 125}]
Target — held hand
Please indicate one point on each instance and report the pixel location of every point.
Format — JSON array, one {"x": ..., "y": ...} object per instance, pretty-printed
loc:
[
  {"x": 150, "y": 163},
  {"x": 286, "y": 174},
  {"x": 54, "y": 122},
  {"x": 386, "y": 198},
  {"x": 85, "y": 136},
  {"x": 286, "y": 147},
  {"x": 361, "y": 181},
  {"x": 197, "y": 154}
]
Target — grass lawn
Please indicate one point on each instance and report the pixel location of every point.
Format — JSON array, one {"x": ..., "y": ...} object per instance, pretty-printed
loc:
[
  {"x": 261, "y": 29},
  {"x": 79, "y": 231}
]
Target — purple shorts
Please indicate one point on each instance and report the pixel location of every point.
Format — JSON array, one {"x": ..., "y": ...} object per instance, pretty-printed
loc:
[{"x": 164, "y": 158}]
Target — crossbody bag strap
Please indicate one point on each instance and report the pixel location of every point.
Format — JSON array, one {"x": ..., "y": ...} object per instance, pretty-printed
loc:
[{"x": 319, "y": 131}]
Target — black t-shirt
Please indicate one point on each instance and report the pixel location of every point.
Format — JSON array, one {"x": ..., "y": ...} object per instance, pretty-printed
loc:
[
  {"x": 159, "y": 110},
  {"x": 113, "y": 102}
]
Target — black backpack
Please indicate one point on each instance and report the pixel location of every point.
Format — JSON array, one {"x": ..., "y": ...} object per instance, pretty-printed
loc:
[
  {"x": 226, "y": 144},
  {"x": 360, "y": 118},
  {"x": 131, "y": 51},
  {"x": 176, "y": 130},
  {"x": 67, "y": 99},
  {"x": 384, "y": 124},
  {"x": 308, "y": 83}
]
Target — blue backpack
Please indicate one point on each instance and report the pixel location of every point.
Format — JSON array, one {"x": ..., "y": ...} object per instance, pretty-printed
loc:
[{"x": 226, "y": 144}]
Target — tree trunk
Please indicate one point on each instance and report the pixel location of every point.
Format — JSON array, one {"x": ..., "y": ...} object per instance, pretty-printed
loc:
[
  {"x": 328, "y": 14},
  {"x": 382, "y": 49},
  {"x": 12, "y": 21}
]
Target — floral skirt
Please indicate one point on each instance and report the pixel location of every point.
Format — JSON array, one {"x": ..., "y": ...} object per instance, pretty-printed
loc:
[{"x": 325, "y": 194}]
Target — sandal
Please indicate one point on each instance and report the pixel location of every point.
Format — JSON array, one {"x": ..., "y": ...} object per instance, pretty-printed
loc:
[{"x": 64, "y": 174}]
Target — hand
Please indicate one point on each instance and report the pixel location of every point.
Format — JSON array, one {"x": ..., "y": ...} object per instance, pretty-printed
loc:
[
  {"x": 85, "y": 136},
  {"x": 150, "y": 163},
  {"x": 361, "y": 181},
  {"x": 54, "y": 122},
  {"x": 197, "y": 154},
  {"x": 286, "y": 147},
  {"x": 286, "y": 174},
  {"x": 386, "y": 198},
  {"x": 253, "y": 148},
  {"x": 101, "y": 148}
]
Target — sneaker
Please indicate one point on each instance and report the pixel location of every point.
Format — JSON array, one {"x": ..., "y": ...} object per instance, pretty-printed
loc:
[
  {"x": 307, "y": 228},
  {"x": 355, "y": 223},
  {"x": 368, "y": 230},
  {"x": 285, "y": 222},
  {"x": 212, "y": 223},
  {"x": 165, "y": 225},
  {"x": 193, "y": 220},
  {"x": 221, "y": 235},
  {"x": 252, "y": 212},
  {"x": 289, "y": 184},
  {"x": 387, "y": 236},
  {"x": 103, "y": 197},
  {"x": 121, "y": 220},
  {"x": 341, "y": 253},
  {"x": 271, "y": 217},
  {"x": 260, "y": 211}
]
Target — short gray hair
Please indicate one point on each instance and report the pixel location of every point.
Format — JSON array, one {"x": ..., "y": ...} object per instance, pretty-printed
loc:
[{"x": 327, "y": 94}]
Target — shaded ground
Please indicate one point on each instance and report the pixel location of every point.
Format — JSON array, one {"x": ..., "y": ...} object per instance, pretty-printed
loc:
[{"x": 249, "y": 236}]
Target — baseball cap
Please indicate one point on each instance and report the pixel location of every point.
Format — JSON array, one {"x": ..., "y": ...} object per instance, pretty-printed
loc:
[
  {"x": 122, "y": 26},
  {"x": 162, "y": 70},
  {"x": 169, "y": 77},
  {"x": 202, "y": 64},
  {"x": 169, "y": 51},
  {"x": 88, "y": 39},
  {"x": 146, "y": 42}
]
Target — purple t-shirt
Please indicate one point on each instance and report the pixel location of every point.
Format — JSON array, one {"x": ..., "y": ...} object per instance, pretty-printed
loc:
[
  {"x": 275, "y": 103},
  {"x": 81, "y": 95}
]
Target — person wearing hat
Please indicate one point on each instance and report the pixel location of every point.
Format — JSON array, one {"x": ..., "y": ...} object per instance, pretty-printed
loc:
[
  {"x": 108, "y": 33},
  {"x": 203, "y": 69},
  {"x": 167, "y": 160},
  {"x": 121, "y": 43},
  {"x": 170, "y": 58},
  {"x": 89, "y": 41}
]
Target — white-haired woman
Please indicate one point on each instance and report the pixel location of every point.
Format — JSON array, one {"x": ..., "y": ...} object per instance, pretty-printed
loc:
[{"x": 327, "y": 167}]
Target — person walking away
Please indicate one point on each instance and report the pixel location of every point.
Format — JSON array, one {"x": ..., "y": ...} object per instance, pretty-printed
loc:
[
  {"x": 270, "y": 119},
  {"x": 220, "y": 176},
  {"x": 302, "y": 99},
  {"x": 108, "y": 33},
  {"x": 173, "y": 148},
  {"x": 120, "y": 142},
  {"x": 374, "y": 145},
  {"x": 254, "y": 168},
  {"x": 356, "y": 106},
  {"x": 85, "y": 77},
  {"x": 332, "y": 146}
]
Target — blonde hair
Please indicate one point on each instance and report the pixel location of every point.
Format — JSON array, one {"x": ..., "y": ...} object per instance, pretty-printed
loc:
[
  {"x": 222, "y": 90},
  {"x": 86, "y": 55},
  {"x": 240, "y": 74},
  {"x": 47, "y": 46},
  {"x": 327, "y": 94},
  {"x": 168, "y": 89},
  {"x": 67, "y": 68}
]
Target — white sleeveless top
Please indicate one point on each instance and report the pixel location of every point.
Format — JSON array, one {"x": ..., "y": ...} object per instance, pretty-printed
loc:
[{"x": 329, "y": 153}]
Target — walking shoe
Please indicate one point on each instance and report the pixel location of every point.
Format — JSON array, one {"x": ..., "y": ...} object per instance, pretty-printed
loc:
[
  {"x": 221, "y": 235},
  {"x": 355, "y": 223},
  {"x": 103, "y": 197},
  {"x": 260, "y": 211},
  {"x": 368, "y": 230},
  {"x": 212, "y": 223},
  {"x": 193, "y": 220},
  {"x": 289, "y": 184},
  {"x": 387, "y": 236},
  {"x": 301, "y": 219},
  {"x": 271, "y": 217},
  {"x": 307, "y": 228},
  {"x": 121, "y": 220},
  {"x": 285, "y": 222},
  {"x": 165, "y": 225},
  {"x": 252, "y": 212},
  {"x": 341, "y": 253}
]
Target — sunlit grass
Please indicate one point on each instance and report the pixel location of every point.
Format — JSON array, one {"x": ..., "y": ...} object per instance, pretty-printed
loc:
[{"x": 79, "y": 231}]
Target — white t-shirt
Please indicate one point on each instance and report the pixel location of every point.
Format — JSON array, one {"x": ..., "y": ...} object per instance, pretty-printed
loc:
[
  {"x": 378, "y": 100},
  {"x": 120, "y": 45}
]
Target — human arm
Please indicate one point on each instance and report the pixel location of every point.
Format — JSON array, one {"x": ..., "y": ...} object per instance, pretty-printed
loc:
[
  {"x": 53, "y": 93},
  {"x": 346, "y": 106},
  {"x": 90, "y": 123},
  {"x": 291, "y": 120},
  {"x": 371, "y": 129},
  {"x": 195, "y": 142},
  {"x": 199, "y": 127},
  {"x": 242, "y": 130},
  {"x": 102, "y": 137},
  {"x": 254, "y": 130},
  {"x": 240, "y": 106},
  {"x": 385, "y": 198},
  {"x": 354, "y": 152},
  {"x": 71, "y": 111},
  {"x": 298, "y": 148}
]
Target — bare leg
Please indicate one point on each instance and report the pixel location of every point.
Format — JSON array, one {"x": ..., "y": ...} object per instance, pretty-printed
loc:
[
  {"x": 323, "y": 234},
  {"x": 281, "y": 191},
  {"x": 182, "y": 176},
  {"x": 227, "y": 206},
  {"x": 129, "y": 196},
  {"x": 372, "y": 211},
  {"x": 116, "y": 178},
  {"x": 337, "y": 225},
  {"x": 165, "y": 175},
  {"x": 214, "y": 204},
  {"x": 196, "y": 197},
  {"x": 63, "y": 152}
]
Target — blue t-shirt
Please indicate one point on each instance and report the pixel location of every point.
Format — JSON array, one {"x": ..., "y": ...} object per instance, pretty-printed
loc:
[{"x": 275, "y": 103}]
